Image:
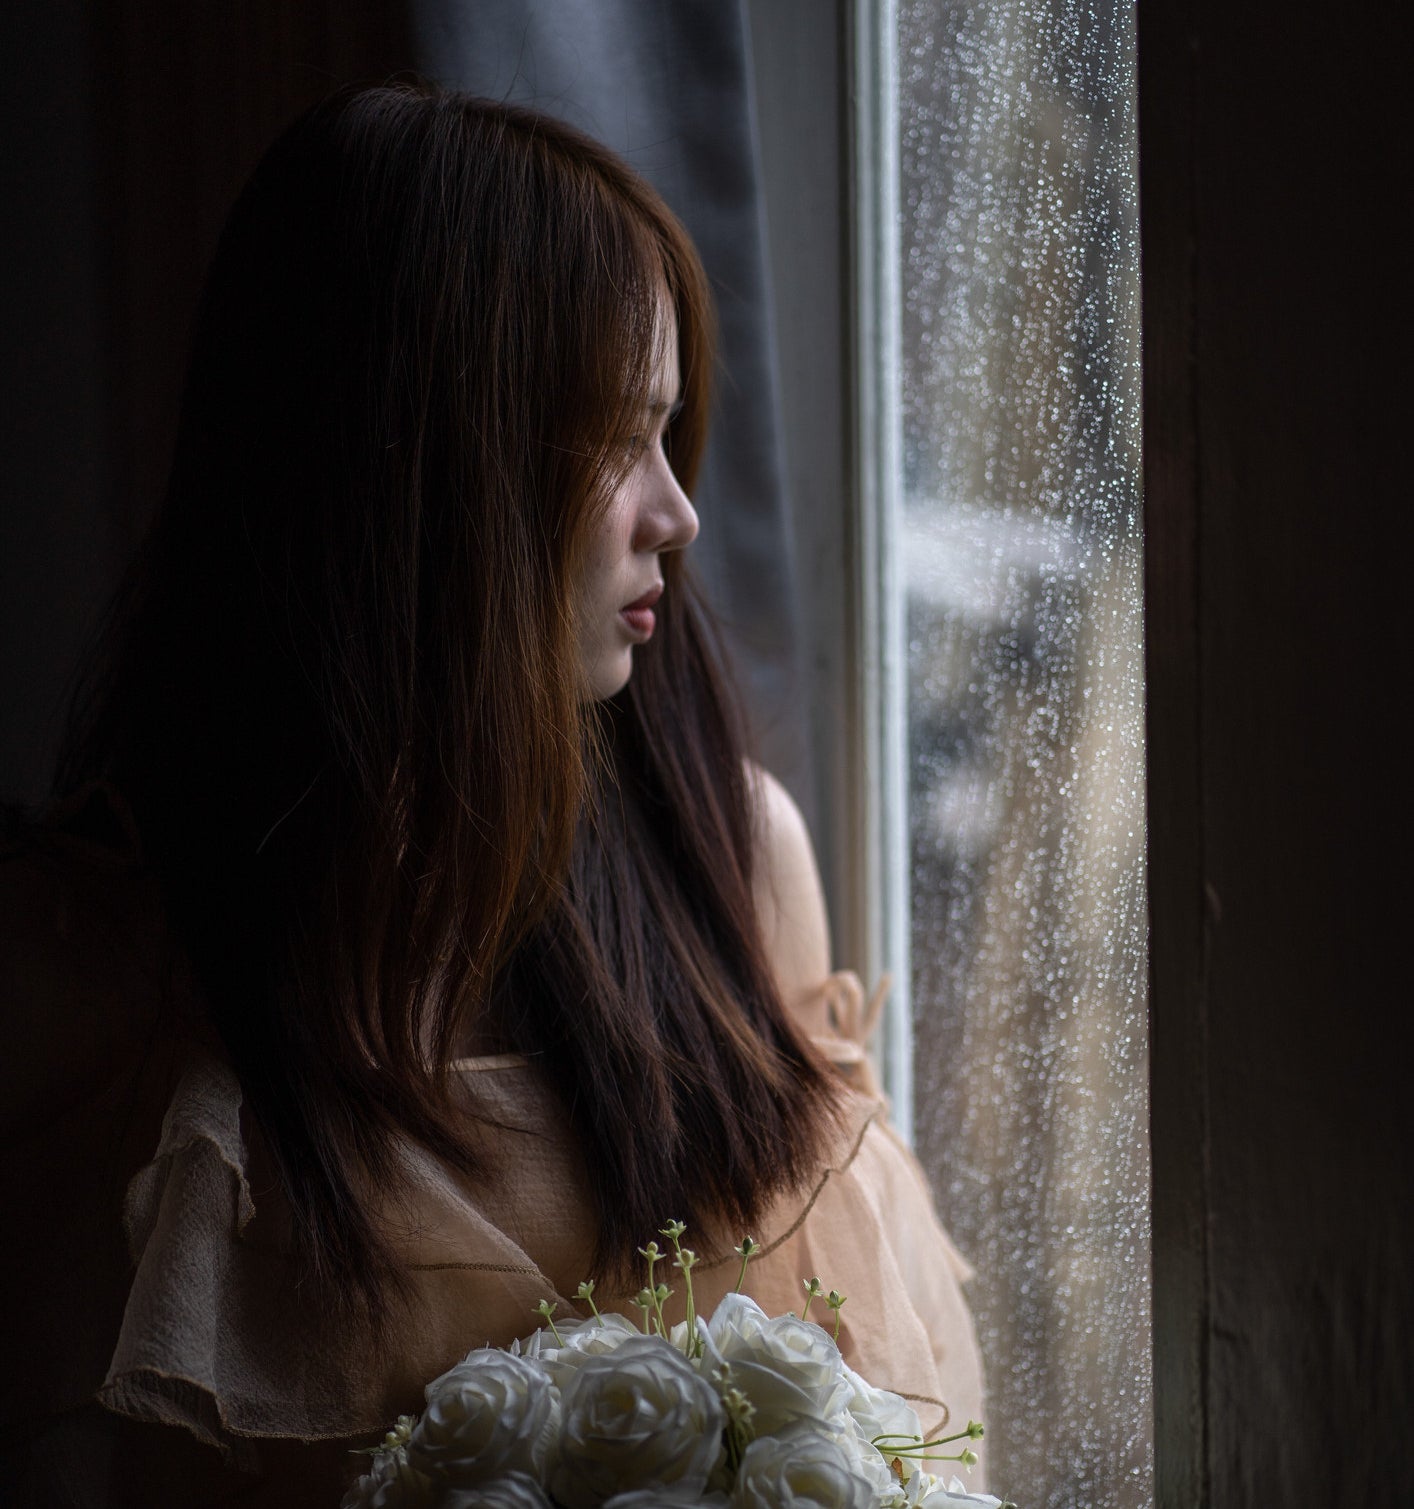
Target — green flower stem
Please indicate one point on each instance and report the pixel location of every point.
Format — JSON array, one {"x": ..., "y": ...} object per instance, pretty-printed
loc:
[
  {"x": 974, "y": 1432},
  {"x": 644, "y": 1302},
  {"x": 547, "y": 1310},
  {"x": 812, "y": 1293},
  {"x": 661, "y": 1295},
  {"x": 835, "y": 1300},
  {"x": 746, "y": 1251},
  {"x": 920, "y": 1450},
  {"x": 684, "y": 1259},
  {"x": 738, "y": 1434},
  {"x": 965, "y": 1457},
  {"x": 656, "y": 1291}
]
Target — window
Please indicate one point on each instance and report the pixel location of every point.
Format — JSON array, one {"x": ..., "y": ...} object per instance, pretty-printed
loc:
[{"x": 997, "y": 245}]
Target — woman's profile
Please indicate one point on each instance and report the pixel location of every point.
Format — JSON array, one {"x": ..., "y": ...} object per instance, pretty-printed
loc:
[{"x": 410, "y": 934}]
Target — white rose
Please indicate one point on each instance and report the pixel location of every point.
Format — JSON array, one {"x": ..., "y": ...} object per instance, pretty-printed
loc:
[
  {"x": 867, "y": 1457},
  {"x": 390, "y": 1483},
  {"x": 579, "y": 1340},
  {"x": 915, "y": 1492},
  {"x": 665, "y": 1498},
  {"x": 639, "y": 1416},
  {"x": 954, "y": 1495},
  {"x": 737, "y": 1316},
  {"x": 877, "y": 1412},
  {"x": 790, "y": 1369},
  {"x": 679, "y": 1335},
  {"x": 492, "y": 1414},
  {"x": 513, "y": 1491},
  {"x": 805, "y": 1467}
]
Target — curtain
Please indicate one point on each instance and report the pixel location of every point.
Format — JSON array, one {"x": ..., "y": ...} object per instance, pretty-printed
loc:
[{"x": 667, "y": 84}]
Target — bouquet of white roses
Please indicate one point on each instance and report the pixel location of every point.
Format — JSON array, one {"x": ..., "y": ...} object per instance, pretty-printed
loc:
[{"x": 742, "y": 1411}]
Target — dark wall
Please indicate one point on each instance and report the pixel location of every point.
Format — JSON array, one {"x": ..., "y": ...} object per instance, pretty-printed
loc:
[
  {"x": 55, "y": 551},
  {"x": 1273, "y": 408},
  {"x": 129, "y": 127}
]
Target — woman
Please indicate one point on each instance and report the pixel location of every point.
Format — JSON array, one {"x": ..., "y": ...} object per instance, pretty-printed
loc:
[{"x": 413, "y": 937}]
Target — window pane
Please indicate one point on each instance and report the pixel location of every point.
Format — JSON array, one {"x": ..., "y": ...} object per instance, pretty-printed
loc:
[{"x": 1021, "y": 542}]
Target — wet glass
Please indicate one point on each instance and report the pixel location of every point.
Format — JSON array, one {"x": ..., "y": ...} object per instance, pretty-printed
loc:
[{"x": 1022, "y": 552}]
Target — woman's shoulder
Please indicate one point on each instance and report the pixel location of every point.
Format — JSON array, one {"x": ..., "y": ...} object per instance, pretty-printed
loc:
[
  {"x": 828, "y": 1005},
  {"x": 790, "y": 900}
]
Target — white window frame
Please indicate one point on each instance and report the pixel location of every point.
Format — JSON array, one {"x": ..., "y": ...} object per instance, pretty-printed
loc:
[{"x": 879, "y": 753}]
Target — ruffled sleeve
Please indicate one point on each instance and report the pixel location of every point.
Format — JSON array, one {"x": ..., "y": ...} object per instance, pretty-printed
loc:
[
  {"x": 873, "y": 1233},
  {"x": 216, "y": 1336},
  {"x": 145, "y": 1250}
]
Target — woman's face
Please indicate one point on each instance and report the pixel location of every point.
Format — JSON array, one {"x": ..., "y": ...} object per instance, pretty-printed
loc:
[{"x": 647, "y": 515}]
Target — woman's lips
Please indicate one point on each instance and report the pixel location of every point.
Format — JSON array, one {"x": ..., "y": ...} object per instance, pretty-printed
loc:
[{"x": 638, "y": 615}]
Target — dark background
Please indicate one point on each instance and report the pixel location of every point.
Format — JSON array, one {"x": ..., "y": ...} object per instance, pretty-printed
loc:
[{"x": 1274, "y": 393}]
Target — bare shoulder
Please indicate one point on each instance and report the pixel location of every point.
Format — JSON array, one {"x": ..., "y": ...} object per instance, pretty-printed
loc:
[{"x": 790, "y": 901}]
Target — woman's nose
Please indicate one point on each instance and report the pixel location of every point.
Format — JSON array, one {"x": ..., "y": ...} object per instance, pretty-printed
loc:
[{"x": 669, "y": 522}]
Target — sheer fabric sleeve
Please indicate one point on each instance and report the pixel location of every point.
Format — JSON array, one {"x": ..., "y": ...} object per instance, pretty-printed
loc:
[{"x": 908, "y": 1320}]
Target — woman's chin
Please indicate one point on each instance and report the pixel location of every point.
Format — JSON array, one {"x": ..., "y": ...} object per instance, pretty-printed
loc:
[{"x": 612, "y": 676}]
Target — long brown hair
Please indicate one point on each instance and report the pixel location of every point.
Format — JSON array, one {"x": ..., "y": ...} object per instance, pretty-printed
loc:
[{"x": 341, "y": 693}]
